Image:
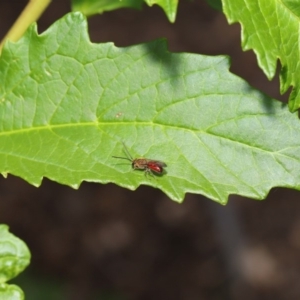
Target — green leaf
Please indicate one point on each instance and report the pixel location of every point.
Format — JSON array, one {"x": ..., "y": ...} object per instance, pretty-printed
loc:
[
  {"x": 14, "y": 255},
  {"x": 10, "y": 292},
  {"x": 66, "y": 105},
  {"x": 169, "y": 6},
  {"x": 271, "y": 29},
  {"x": 92, "y": 7}
]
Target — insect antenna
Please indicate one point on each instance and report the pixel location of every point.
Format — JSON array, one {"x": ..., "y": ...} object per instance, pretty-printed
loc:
[
  {"x": 127, "y": 152},
  {"x": 129, "y": 157},
  {"x": 122, "y": 158}
]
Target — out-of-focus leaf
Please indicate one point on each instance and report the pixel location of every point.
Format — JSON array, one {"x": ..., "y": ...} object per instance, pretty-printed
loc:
[
  {"x": 14, "y": 258},
  {"x": 169, "y": 6},
  {"x": 92, "y": 7},
  {"x": 14, "y": 255},
  {"x": 216, "y": 4},
  {"x": 10, "y": 292}
]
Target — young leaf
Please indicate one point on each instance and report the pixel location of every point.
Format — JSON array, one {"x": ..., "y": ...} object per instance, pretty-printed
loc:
[
  {"x": 66, "y": 105},
  {"x": 271, "y": 29},
  {"x": 92, "y": 7},
  {"x": 14, "y": 258},
  {"x": 14, "y": 255},
  {"x": 11, "y": 292}
]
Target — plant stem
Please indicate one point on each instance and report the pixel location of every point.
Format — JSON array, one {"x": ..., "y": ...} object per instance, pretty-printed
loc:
[{"x": 30, "y": 14}]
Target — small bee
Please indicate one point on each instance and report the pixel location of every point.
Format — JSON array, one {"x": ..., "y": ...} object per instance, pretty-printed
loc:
[{"x": 150, "y": 166}]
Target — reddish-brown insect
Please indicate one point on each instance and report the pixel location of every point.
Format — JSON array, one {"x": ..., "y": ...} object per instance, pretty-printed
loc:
[{"x": 150, "y": 166}]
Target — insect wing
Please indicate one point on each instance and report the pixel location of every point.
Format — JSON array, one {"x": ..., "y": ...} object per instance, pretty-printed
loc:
[
  {"x": 156, "y": 166},
  {"x": 160, "y": 163}
]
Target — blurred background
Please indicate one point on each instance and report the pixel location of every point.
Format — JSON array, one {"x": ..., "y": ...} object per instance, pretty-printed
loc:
[{"x": 105, "y": 242}]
